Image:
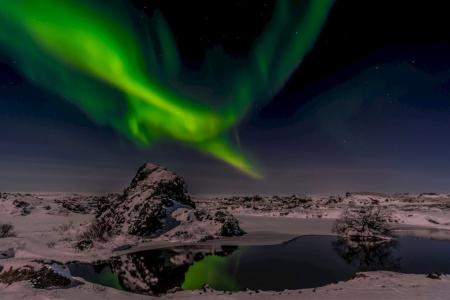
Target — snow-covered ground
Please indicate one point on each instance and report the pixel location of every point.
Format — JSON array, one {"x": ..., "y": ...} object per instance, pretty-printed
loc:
[
  {"x": 368, "y": 286},
  {"x": 48, "y": 225},
  {"x": 427, "y": 209}
]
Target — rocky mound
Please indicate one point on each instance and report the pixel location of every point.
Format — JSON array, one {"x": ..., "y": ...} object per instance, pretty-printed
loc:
[
  {"x": 149, "y": 207},
  {"x": 145, "y": 206}
]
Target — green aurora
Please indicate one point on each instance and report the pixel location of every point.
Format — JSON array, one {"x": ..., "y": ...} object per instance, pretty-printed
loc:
[{"x": 125, "y": 72}]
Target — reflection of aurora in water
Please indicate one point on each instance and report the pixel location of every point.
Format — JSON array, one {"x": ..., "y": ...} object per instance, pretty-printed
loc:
[
  {"x": 156, "y": 272},
  {"x": 306, "y": 262},
  {"x": 212, "y": 270},
  {"x": 99, "y": 274},
  {"x": 125, "y": 71}
]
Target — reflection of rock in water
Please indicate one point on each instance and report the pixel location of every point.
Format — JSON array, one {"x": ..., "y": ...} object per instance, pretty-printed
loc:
[
  {"x": 368, "y": 256},
  {"x": 157, "y": 272}
]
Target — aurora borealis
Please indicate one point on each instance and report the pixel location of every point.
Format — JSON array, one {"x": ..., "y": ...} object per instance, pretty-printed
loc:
[
  {"x": 365, "y": 109},
  {"x": 127, "y": 74}
]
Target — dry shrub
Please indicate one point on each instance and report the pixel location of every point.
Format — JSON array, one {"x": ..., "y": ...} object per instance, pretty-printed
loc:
[
  {"x": 366, "y": 224},
  {"x": 7, "y": 230}
]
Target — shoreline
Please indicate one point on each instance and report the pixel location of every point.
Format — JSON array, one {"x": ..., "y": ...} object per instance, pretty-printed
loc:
[{"x": 36, "y": 232}]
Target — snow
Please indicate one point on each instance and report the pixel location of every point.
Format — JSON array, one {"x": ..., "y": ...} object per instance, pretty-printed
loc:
[{"x": 49, "y": 231}]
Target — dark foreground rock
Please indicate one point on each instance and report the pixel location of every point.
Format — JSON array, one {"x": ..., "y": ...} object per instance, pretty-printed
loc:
[
  {"x": 40, "y": 278},
  {"x": 7, "y": 253}
]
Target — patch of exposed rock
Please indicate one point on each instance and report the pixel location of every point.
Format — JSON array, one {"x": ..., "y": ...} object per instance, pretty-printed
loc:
[
  {"x": 201, "y": 225},
  {"x": 7, "y": 253},
  {"x": 42, "y": 278},
  {"x": 18, "y": 204},
  {"x": 156, "y": 203},
  {"x": 80, "y": 204}
]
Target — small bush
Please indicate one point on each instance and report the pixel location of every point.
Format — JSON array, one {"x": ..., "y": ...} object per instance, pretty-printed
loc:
[
  {"x": 7, "y": 230},
  {"x": 367, "y": 224}
]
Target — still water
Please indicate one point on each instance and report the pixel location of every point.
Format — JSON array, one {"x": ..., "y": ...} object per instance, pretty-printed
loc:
[{"x": 306, "y": 262}]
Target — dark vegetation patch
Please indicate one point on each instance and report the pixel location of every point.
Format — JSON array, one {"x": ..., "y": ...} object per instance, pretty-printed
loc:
[{"x": 7, "y": 230}]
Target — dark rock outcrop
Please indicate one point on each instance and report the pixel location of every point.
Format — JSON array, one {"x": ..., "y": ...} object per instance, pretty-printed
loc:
[
  {"x": 7, "y": 253},
  {"x": 23, "y": 206},
  {"x": 80, "y": 204},
  {"x": 145, "y": 207},
  {"x": 157, "y": 204},
  {"x": 42, "y": 278},
  {"x": 229, "y": 224}
]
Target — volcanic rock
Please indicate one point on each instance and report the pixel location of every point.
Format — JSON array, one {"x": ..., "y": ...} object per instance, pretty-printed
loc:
[
  {"x": 157, "y": 204},
  {"x": 145, "y": 207}
]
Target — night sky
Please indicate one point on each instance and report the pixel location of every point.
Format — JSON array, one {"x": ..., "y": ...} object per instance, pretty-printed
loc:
[{"x": 367, "y": 110}]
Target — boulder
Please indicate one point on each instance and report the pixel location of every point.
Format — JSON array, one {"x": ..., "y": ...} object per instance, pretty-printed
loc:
[{"x": 7, "y": 253}]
